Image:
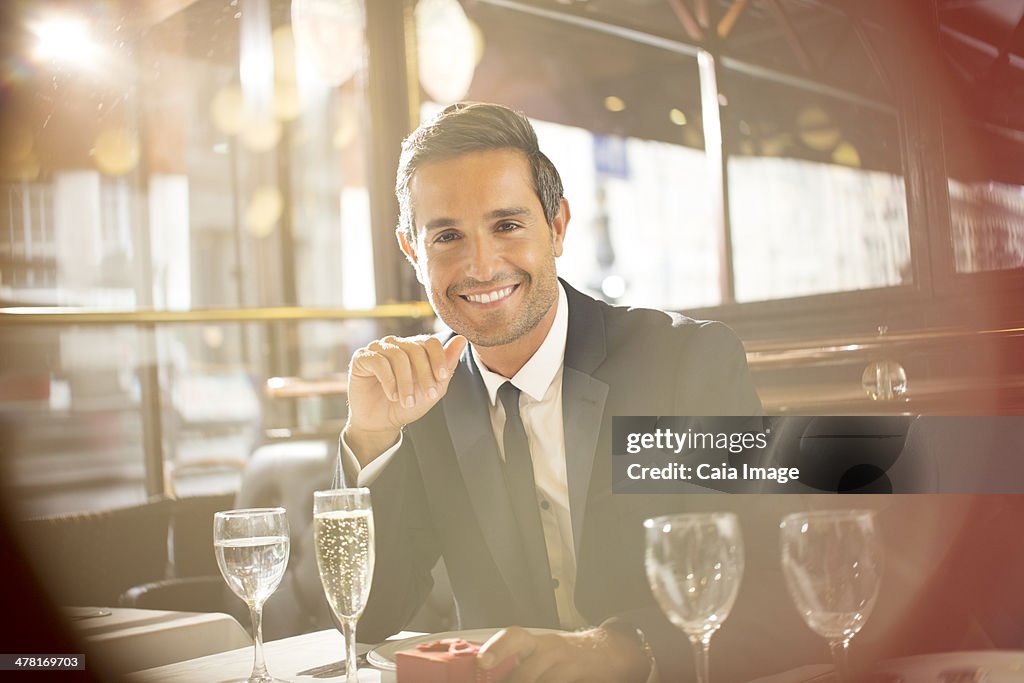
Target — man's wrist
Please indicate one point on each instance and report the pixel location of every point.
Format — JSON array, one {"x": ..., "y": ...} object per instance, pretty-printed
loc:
[
  {"x": 367, "y": 445},
  {"x": 628, "y": 651}
]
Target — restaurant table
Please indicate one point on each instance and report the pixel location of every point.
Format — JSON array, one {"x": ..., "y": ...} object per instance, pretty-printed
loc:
[
  {"x": 320, "y": 656},
  {"x": 122, "y": 639},
  {"x": 315, "y": 656}
]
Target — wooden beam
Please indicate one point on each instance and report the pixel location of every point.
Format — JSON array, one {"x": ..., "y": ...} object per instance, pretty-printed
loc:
[
  {"x": 703, "y": 14},
  {"x": 686, "y": 18},
  {"x": 729, "y": 20}
]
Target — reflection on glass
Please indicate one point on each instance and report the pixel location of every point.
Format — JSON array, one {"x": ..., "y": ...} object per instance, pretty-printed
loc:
[
  {"x": 988, "y": 225},
  {"x": 803, "y": 228}
]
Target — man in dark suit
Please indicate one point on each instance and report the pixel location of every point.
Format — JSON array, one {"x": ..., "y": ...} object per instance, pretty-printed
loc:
[{"x": 432, "y": 421}]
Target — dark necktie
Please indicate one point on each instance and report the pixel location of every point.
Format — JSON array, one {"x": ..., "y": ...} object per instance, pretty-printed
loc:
[{"x": 522, "y": 493}]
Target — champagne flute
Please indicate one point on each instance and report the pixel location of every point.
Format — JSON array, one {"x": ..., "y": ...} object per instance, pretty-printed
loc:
[
  {"x": 343, "y": 535},
  {"x": 694, "y": 564},
  {"x": 832, "y": 561},
  {"x": 252, "y": 553}
]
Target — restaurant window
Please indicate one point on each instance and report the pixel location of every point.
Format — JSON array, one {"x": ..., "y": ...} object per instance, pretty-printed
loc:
[
  {"x": 817, "y": 201},
  {"x": 621, "y": 122},
  {"x": 144, "y": 169},
  {"x": 199, "y": 155}
]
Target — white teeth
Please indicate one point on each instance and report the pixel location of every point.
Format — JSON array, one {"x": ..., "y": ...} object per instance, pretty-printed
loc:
[{"x": 490, "y": 296}]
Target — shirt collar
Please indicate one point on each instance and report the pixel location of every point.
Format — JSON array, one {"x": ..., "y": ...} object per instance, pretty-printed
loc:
[{"x": 536, "y": 376}]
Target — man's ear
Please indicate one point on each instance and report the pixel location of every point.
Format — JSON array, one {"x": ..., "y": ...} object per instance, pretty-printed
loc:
[
  {"x": 559, "y": 224},
  {"x": 407, "y": 249}
]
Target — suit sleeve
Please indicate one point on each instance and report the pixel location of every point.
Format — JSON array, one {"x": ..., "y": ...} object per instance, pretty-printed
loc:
[
  {"x": 405, "y": 546},
  {"x": 713, "y": 377}
]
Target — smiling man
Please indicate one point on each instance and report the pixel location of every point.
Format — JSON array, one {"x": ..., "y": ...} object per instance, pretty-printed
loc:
[{"x": 491, "y": 446}]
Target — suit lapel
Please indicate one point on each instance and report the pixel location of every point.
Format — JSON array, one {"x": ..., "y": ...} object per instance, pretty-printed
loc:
[
  {"x": 583, "y": 401},
  {"x": 469, "y": 425}
]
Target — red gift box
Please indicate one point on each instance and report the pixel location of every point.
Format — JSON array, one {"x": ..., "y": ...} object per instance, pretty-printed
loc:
[{"x": 452, "y": 660}]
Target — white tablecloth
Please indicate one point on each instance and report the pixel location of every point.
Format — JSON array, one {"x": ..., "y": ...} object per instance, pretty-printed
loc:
[
  {"x": 133, "y": 639},
  {"x": 310, "y": 657}
]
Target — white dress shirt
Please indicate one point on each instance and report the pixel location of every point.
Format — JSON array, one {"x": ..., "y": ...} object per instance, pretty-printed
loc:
[{"x": 540, "y": 405}]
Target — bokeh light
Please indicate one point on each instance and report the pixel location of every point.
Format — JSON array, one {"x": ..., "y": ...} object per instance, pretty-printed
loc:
[
  {"x": 116, "y": 151},
  {"x": 264, "y": 210}
]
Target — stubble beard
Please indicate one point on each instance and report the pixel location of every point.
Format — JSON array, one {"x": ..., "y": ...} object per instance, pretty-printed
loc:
[{"x": 495, "y": 328}]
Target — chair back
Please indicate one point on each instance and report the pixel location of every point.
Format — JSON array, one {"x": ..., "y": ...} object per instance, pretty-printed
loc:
[{"x": 90, "y": 558}]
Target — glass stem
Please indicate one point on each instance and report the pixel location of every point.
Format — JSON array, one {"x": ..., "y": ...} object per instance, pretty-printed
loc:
[
  {"x": 840, "y": 648},
  {"x": 348, "y": 626},
  {"x": 701, "y": 647},
  {"x": 259, "y": 668}
]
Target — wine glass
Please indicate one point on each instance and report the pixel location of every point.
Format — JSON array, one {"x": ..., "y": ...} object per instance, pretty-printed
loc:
[
  {"x": 343, "y": 535},
  {"x": 695, "y": 565},
  {"x": 252, "y": 553},
  {"x": 832, "y": 561}
]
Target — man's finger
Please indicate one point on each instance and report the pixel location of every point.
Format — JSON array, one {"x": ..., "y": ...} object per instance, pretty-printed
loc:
[
  {"x": 452, "y": 352},
  {"x": 438, "y": 363},
  {"x": 509, "y": 642},
  {"x": 402, "y": 368},
  {"x": 382, "y": 370},
  {"x": 367, "y": 363},
  {"x": 419, "y": 364}
]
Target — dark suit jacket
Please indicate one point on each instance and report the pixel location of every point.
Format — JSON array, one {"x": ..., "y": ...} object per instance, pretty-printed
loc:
[{"x": 443, "y": 494}]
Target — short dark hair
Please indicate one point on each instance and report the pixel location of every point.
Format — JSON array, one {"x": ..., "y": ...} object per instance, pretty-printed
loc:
[{"x": 472, "y": 127}]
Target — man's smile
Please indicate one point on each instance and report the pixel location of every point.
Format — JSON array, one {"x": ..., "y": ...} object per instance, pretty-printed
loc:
[{"x": 490, "y": 297}]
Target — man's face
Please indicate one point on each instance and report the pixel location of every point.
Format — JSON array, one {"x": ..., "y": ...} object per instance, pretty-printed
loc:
[{"x": 483, "y": 250}]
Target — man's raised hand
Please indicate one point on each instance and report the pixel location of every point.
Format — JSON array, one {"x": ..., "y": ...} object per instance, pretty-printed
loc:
[{"x": 392, "y": 382}]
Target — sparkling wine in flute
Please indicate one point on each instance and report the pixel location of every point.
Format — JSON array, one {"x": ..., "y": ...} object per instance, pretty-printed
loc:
[
  {"x": 344, "y": 554},
  {"x": 253, "y": 567},
  {"x": 343, "y": 536}
]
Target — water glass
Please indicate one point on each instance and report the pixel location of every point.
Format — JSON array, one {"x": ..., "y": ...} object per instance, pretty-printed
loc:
[
  {"x": 252, "y": 552},
  {"x": 832, "y": 561},
  {"x": 694, "y": 564}
]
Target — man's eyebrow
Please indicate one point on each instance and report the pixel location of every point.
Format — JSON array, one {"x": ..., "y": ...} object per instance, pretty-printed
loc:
[
  {"x": 507, "y": 212},
  {"x": 438, "y": 223}
]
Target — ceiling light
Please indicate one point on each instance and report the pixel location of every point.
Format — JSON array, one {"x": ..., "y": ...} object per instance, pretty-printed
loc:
[
  {"x": 677, "y": 117},
  {"x": 64, "y": 39},
  {"x": 447, "y": 49}
]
